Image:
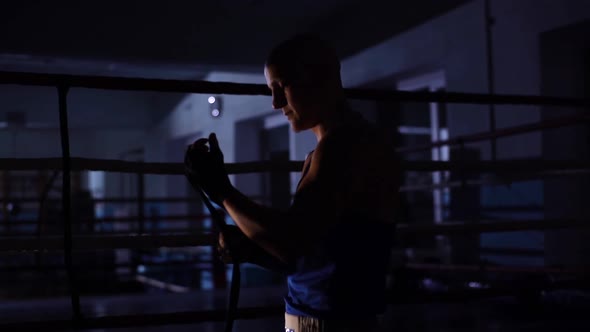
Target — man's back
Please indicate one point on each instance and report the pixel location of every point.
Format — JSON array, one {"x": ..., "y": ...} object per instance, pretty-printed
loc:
[{"x": 342, "y": 271}]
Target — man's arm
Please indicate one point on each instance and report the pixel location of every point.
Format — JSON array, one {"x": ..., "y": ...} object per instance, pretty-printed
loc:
[
  {"x": 248, "y": 251},
  {"x": 318, "y": 203}
]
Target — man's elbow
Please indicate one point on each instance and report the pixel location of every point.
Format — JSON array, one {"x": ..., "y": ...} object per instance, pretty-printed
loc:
[
  {"x": 256, "y": 234},
  {"x": 273, "y": 245}
]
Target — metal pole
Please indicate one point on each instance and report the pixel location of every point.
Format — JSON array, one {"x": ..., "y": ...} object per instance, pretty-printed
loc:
[
  {"x": 66, "y": 201},
  {"x": 6, "y": 189},
  {"x": 489, "y": 22},
  {"x": 141, "y": 202},
  {"x": 140, "y": 218}
]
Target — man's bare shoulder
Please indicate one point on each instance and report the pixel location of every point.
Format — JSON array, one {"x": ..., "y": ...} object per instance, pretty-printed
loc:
[{"x": 352, "y": 142}]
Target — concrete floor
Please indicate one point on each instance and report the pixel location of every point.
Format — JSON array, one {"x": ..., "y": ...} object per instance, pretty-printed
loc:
[{"x": 558, "y": 311}]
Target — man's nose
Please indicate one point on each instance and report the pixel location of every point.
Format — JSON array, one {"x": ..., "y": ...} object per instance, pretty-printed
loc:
[{"x": 278, "y": 101}]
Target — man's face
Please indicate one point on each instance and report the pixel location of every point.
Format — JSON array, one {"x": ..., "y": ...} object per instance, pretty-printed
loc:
[{"x": 298, "y": 100}]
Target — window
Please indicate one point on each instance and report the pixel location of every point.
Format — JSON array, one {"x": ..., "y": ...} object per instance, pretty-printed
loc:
[
  {"x": 422, "y": 123},
  {"x": 433, "y": 124}
]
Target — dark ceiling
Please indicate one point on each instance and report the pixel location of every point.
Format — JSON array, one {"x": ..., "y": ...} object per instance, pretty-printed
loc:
[{"x": 186, "y": 39}]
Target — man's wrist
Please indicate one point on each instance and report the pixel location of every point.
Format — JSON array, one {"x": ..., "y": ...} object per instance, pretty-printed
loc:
[{"x": 225, "y": 193}]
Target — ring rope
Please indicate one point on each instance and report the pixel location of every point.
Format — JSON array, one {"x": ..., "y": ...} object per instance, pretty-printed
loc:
[
  {"x": 101, "y": 242},
  {"x": 162, "y": 85},
  {"x": 498, "y": 133},
  {"x": 81, "y": 164},
  {"x": 503, "y": 180},
  {"x": 85, "y": 242},
  {"x": 496, "y": 269}
]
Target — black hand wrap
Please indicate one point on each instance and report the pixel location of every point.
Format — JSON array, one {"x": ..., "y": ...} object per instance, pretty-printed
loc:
[
  {"x": 205, "y": 168},
  {"x": 206, "y": 173}
]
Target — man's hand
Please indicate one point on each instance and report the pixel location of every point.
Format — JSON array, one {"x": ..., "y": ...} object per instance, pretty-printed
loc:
[
  {"x": 204, "y": 167},
  {"x": 239, "y": 242}
]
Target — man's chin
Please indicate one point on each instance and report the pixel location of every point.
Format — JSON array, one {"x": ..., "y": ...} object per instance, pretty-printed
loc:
[{"x": 296, "y": 128}]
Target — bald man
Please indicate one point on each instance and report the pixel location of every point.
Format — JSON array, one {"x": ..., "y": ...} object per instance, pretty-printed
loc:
[{"x": 334, "y": 240}]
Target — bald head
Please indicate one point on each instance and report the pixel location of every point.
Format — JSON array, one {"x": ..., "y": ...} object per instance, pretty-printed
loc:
[
  {"x": 305, "y": 57},
  {"x": 303, "y": 74}
]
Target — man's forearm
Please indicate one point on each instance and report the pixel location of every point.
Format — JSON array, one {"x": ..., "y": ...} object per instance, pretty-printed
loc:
[
  {"x": 258, "y": 256},
  {"x": 261, "y": 224}
]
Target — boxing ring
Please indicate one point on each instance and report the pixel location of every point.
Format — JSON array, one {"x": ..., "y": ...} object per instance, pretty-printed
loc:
[{"x": 509, "y": 171}]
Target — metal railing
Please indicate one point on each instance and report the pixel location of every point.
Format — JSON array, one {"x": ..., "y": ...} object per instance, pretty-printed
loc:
[{"x": 67, "y": 164}]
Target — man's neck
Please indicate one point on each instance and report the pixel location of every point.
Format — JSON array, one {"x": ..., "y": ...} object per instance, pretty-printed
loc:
[{"x": 333, "y": 117}]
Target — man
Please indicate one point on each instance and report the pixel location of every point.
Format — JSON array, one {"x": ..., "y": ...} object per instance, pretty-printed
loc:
[{"x": 334, "y": 239}]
